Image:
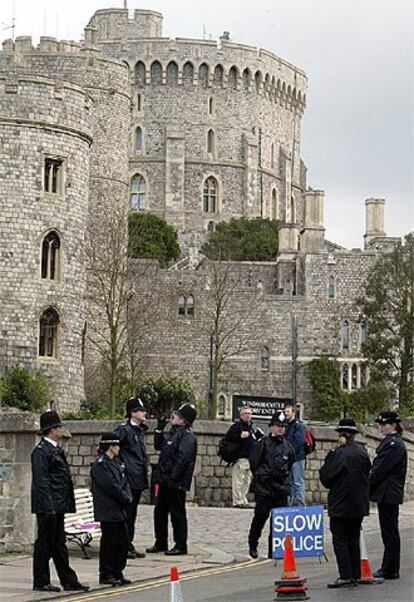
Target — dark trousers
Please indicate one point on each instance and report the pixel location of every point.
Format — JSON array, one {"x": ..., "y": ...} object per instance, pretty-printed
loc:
[
  {"x": 113, "y": 550},
  {"x": 388, "y": 520},
  {"x": 264, "y": 504},
  {"x": 132, "y": 516},
  {"x": 345, "y": 540},
  {"x": 170, "y": 501},
  {"x": 50, "y": 544}
]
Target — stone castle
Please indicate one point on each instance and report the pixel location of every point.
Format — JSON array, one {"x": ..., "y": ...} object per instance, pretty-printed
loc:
[{"x": 197, "y": 132}]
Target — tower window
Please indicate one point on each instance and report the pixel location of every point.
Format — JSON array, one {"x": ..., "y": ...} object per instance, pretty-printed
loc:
[
  {"x": 50, "y": 256},
  {"x": 331, "y": 287},
  {"x": 139, "y": 102},
  {"x": 186, "y": 305},
  {"x": 48, "y": 333},
  {"x": 53, "y": 176},
  {"x": 138, "y": 139},
  {"x": 345, "y": 377},
  {"x": 210, "y": 105},
  {"x": 211, "y": 142},
  {"x": 210, "y": 195},
  {"x": 345, "y": 335},
  {"x": 265, "y": 358},
  {"x": 211, "y": 226},
  {"x": 138, "y": 193},
  {"x": 363, "y": 332}
]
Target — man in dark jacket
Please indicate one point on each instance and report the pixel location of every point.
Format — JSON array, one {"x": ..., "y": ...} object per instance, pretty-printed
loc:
[
  {"x": 173, "y": 476},
  {"x": 133, "y": 454},
  {"x": 345, "y": 473},
  {"x": 270, "y": 461},
  {"x": 111, "y": 498},
  {"x": 52, "y": 497},
  {"x": 241, "y": 432},
  {"x": 296, "y": 435},
  {"x": 386, "y": 482}
]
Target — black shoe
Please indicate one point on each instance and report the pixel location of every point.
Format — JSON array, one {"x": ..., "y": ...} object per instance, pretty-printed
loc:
[
  {"x": 253, "y": 552},
  {"x": 139, "y": 554},
  {"x": 110, "y": 581},
  {"x": 175, "y": 552},
  {"x": 46, "y": 588},
  {"x": 381, "y": 575},
  {"x": 125, "y": 581},
  {"x": 76, "y": 587},
  {"x": 131, "y": 555},
  {"x": 342, "y": 583},
  {"x": 155, "y": 549}
]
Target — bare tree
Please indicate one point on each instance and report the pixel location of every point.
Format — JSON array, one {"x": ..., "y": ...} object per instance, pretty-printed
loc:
[{"x": 227, "y": 321}]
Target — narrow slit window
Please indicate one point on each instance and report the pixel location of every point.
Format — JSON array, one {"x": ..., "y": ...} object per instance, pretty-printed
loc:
[{"x": 48, "y": 333}]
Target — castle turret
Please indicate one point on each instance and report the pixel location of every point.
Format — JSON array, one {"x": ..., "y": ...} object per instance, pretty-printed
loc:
[
  {"x": 313, "y": 232},
  {"x": 374, "y": 220}
]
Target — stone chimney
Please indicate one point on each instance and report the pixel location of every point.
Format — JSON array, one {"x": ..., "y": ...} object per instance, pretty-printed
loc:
[
  {"x": 312, "y": 235},
  {"x": 374, "y": 220}
]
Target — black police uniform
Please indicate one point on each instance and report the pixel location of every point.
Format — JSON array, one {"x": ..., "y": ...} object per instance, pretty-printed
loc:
[
  {"x": 135, "y": 458},
  {"x": 270, "y": 462},
  {"x": 345, "y": 473},
  {"x": 51, "y": 496},
  {"x": 111, "y": 497},
  {"x": 386, "y": 482},
  {"x": 173, "y": 475}
]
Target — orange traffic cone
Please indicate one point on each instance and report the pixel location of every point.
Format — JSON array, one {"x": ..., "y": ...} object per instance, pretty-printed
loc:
[
  {"x": 290, "y": 586},
  {"x": 176, "y": 594},
  {"x": 366, "y": 573}
]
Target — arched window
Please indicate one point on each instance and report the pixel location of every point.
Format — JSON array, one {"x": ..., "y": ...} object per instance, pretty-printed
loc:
[
  {"x": 363, "y": 332},
  {"x": 258, "y": 78},
  {"x": 139, "y": 102},
  {"x": 138, "y": 139},
  {"x": 156, "y": 73},
  {"x": 221, "y": 406},
  {"x": 140, "y": 74},
  {"x": 50, "y": 256},
  {"x": 331, "y": 287},
  {"x": 172, "y": 73},
  {"x": 211, "y": 226},
  {"x": 190, "y": 305},
  {"x": 48, "y": 333},
  {"x": 265, "y": 358},
  {"x": 188, "y": 74},
  {"x": 274, "y": 204},
  {"x": 203, "y": 75},
  {"x": 218, "y": 76},
  {"x": 364, "y": 376},
  {"x": 232, "y": 78},
  {"x": 181, "y": 305},
  {"x": 210, "y": 193},
  {"x": 138, "y": 193},
  {"x": 246, "y": 77},
  {"x": 211, "y": 141},
  {"x": 345, "y": 377},
  {"x": 354, "y": 376},
  {"x": 345, "y": 335},
  {"x": 210, "y": 105}
]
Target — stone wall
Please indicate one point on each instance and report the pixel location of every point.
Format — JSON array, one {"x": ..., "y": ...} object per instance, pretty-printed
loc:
[{"x": 211, "y": 483}]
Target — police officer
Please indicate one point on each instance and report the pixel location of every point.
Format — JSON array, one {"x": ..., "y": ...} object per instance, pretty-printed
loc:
[
  {"x": 173, "y": 476},
  {"x": 270, "y": 461},
  {"x": 52, "y": 496},
  {"x": 386, "y": 482},
  {"x": 111, "y": 498},
  {"x": 345, "y": 473},
  {"x": 133, "y": 454}
]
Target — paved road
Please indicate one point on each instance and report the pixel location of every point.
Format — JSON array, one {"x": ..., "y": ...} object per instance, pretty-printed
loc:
[{"x": 253, "y": 581}]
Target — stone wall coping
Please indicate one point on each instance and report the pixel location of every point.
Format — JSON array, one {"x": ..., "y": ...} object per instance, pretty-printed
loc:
[{"x": 15, "y": 421}]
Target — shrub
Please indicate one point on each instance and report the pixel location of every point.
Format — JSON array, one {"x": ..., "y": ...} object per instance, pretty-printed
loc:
[{"x": 25, "y": 390}]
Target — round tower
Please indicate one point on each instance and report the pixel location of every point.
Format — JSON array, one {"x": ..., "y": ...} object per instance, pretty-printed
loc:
[{"x": 44, "y": 208}]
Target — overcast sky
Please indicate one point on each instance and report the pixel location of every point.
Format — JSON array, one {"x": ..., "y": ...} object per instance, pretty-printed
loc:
[{"x": 358, "y": 128}]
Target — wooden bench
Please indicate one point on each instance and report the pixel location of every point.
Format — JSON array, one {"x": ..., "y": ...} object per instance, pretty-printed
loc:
[{"x": 80, "y": 527}]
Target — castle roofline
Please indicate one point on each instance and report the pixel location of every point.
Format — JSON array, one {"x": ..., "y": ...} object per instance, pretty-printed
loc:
[{"x": 137, "y": 11}]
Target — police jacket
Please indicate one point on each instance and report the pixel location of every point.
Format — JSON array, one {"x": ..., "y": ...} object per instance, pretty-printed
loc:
[
  {"x": 387, "y": 478},
  {"x": 110, "y": 489},
  {"x": 234, "y": 434},
  {"x": 345, "y": 473},
  {"x": 295, "y": 434},
  {"x": 270, "y": 462},
  {"x": 177, "y": 458},
  {"x": 133, "y": 453},
  {"x": 52, "y": 486}
]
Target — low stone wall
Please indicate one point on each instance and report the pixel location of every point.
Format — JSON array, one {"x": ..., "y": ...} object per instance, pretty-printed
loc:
[{"x": 211, "y": 483}]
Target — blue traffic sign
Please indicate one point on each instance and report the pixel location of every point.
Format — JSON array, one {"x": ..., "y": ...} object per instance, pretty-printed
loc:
[{"x": 304, "y": 524}]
